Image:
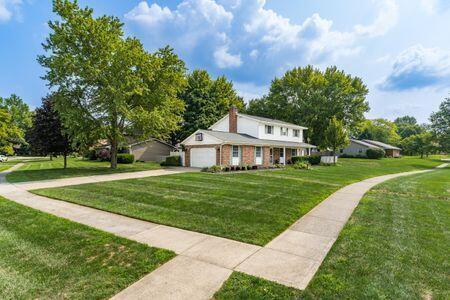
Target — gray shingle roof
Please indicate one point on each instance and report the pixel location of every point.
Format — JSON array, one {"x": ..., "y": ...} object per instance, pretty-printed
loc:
[
  {"x": 268, "y": 120},
  {"x": 364, "y": 144},
  {"x": 240, "y": 138},
  {"x": 382, "y": 145}
]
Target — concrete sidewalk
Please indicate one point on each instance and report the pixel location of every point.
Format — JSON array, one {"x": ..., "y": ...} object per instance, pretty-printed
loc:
[
  {"x": 52, "y": 183},
  {"x": 204, "y": 261}
]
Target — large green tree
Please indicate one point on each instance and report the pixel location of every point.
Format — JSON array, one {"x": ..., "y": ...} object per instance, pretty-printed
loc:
[
  {"x": 440, "y": 125},
  {"x": 311, "y": 97},
  {"x": 407, "y": 126},
  {"x": 206, "y": 100},
  {"x": 422, "y": 144},
  {"x": 9, "y": 133},
  {"x": 46, "y": 136},
  {"x": 381, "y": 130},
  {"x": 335, "y": 136},
  {"x": 106, "y": 85},
  {"x": 19, "y": 120}
]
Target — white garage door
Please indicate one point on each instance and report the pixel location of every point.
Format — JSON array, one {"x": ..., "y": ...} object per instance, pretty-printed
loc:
[{"x": 203, "y": 157}]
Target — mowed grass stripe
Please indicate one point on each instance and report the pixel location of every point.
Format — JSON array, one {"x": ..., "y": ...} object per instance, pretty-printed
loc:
[
  {"x": 46, "y": 257},
  {"x": 252, "y": 207}
]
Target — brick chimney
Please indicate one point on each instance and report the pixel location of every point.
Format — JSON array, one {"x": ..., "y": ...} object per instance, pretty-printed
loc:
[{"x": 232, "y": 118}]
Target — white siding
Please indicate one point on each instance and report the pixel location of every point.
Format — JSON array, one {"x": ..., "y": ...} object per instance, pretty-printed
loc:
[
  {"x": 222, "y": 125},
  {"x": 277, "y": 134},
  {"x": 355, "y": 149},
  {"x": 207, "y": 140},
  {"x": 247, "y": 126}
]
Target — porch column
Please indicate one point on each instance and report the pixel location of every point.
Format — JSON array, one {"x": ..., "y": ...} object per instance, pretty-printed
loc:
[{"x": 284, "y": 156}]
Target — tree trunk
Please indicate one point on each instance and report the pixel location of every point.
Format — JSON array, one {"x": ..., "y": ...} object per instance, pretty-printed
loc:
[
  {"x": 114, "y": 144},
  {"x": 65, "y": 160},
  {"x": 334, "y": 156},
  {"x": 421, "y": 155},
  {"x": 51, "y": 156}
]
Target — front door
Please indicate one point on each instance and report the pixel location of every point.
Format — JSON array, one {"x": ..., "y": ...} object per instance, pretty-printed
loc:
[
  {"x": 235, "y": 155},
  {"x": 281, "y": 156}
]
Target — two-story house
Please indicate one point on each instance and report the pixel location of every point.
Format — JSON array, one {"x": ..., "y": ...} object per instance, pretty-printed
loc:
[{"x": 240, "y": 139}]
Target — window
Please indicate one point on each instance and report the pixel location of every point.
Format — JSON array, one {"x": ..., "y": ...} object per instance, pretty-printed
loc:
[
  {"x": 269, "y": 129},
  {"x": 296, "y": 133},
  {"x": 281, "y": 152},
  {"x": 294, "y": 152},
  {"x": 258, "y": 152},
  {"x": 235, "y": 151},
  {"x": 284, "y": 131},
  {"x": 199, "y": 136}
]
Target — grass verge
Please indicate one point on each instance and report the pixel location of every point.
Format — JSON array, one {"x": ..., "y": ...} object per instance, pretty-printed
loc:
[
  {"x": 252, "y": 207},
  {"x": 43, "y": 257},
  {"x": 395, "y": 246},
  {"x": 42, "y": 169}
]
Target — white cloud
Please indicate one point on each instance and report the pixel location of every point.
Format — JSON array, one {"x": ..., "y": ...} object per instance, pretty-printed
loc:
[
  {"x": 429, "y": 5},
  {"x": 226, "y": 60},
  {"x": 386, "y": 19},
  {"x": 249, "y": 91},
  {"x": 9, "y": 8},
  {"x": 207, "y": 32},
  {"x": 419, "y": 67}
]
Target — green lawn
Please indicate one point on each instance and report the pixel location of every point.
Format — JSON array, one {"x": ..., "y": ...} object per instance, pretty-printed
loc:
[
  {"x": 395, "y": 246},
  {"x": 45, "y": 168},
  {"x": 46, "y": 257},
  {"x": 252, "y": 207}
]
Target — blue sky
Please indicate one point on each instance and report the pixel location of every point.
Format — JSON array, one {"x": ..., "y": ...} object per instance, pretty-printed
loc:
[{"x": 400, "y": 48}]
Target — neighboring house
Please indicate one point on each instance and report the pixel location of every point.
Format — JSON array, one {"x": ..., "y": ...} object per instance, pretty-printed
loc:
[
  {"x": 358, "y": 148},
  {"x": 240, "y": 139},
  {"x": 151, "y": 149},
  {"x": 391, "y": 151}
]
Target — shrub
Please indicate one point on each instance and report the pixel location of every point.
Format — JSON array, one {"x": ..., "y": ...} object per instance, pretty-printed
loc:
[
  {"x": 296, "y": 159},
  {"x": 301, "y": 165},
  {"x": 91, "y": 155},
  {"x": 125, "y": 158},
  {"x": 375, "y": 153},
  {"x": 104, "y": 155},
  {"x": 174, "y": 161},
  {"x": 314, "y": 160}
]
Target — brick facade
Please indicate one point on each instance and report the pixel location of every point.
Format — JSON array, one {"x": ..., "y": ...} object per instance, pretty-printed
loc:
[
  {"x": 248, "y": 155},
  {"x": 226, "y": 155},
  {"x": 266, "y": 156}
]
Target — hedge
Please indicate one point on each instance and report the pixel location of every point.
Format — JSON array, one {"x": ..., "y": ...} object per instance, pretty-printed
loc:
[
  {"x": 125, "y": 158},
  {"x": 375, "y": 153},
  {"x": 174, "y": 161},
  {"x": 312, "y": 160}
]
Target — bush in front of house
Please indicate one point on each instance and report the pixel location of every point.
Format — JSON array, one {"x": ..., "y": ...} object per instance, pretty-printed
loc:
[
  {"x": 212, "y": 169},
  {"x": 312, "y": 160},
  {"x": 125, "y": 158},
  {"x": 375, "y": 153},
  {"x": 301, "y": 165},
  {"x": 104, "y": 155},
  {"x": 91, "y": 155},
  {"x": 172, "y": 161}
]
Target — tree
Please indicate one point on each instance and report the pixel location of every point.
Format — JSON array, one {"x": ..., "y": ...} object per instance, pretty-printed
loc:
[
  {"x": 106, "y": 85},
  {"x": 407, "y": 126},
  {"x": 309, "y": 97},
  {"x": 46, "y": 136},
  {"x": 440, "y": 125},
  {"x": 335, "y": 136},
  {"x": 421, "y": 143},
  {"x": 19, "y": 118},
  {"x": 9, "y": 132},
  {"x": 206, "y": 101},
  {"x": 381, "y": 130}
]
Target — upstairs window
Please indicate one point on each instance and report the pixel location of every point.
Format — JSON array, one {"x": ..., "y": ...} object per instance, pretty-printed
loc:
[
  {"x": 296, "y": 133},
  {"x": 199, "y": 137},
  {"x": 284, "y": 131},
  {"x": 269, "y": 129}
]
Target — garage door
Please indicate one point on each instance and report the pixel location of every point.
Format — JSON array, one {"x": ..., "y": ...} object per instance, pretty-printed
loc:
[{"x": 203, "y": 157}]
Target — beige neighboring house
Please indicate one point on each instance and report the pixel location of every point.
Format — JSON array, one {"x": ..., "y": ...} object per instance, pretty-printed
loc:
[
  {"x": 151, "y": 149},
  {"x": 359, "y": 148}
]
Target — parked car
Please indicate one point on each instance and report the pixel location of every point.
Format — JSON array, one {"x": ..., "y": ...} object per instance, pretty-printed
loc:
[{"x": 3, "y": 158}]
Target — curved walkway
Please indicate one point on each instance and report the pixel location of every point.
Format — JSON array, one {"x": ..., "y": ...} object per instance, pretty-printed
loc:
[{"x": 204, "y": 261}]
